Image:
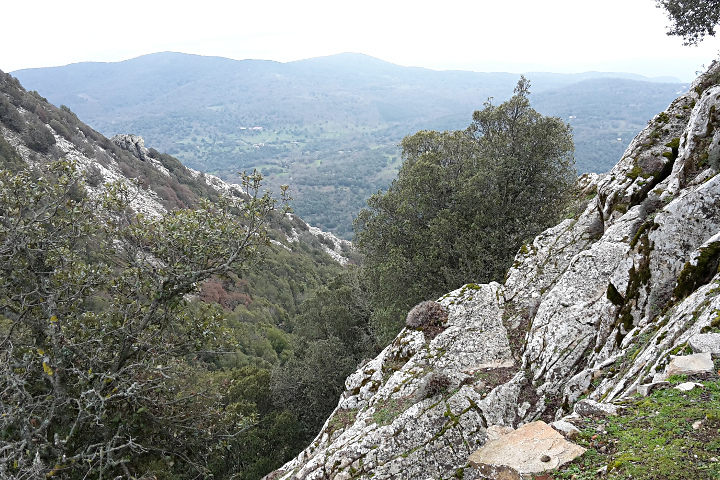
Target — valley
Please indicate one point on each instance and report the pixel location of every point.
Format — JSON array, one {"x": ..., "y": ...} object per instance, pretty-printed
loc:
[{"x": 330, "y": 126}]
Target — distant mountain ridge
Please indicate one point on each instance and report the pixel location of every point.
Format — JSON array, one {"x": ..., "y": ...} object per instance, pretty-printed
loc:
[{"x": 330, "y": 125}]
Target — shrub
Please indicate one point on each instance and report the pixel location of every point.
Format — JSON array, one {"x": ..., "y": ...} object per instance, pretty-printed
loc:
[
  {"x": 425, "y": 315},
  {"x": 434, "y": 384},
  {"x": 39, "y": 137},
  {"x": 10, "y": 116}
]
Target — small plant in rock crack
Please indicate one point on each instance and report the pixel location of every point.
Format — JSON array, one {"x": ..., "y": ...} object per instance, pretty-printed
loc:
[
  {"x": 429, "y": 317},
  {"x": 434, "y": 384}
]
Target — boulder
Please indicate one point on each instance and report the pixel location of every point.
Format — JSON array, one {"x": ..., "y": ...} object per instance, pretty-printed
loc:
[
  {"x": 533, "y": 448},
  {"x": 690, "y": 364}
]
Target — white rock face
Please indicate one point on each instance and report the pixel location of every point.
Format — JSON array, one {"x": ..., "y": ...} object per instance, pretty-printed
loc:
[{"x": 594, "y": 306}]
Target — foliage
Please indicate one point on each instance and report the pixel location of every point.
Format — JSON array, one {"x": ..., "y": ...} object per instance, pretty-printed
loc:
[
  {"x": 9, "y": 157},
  {"x": 692, "y": 19},
  {"x": 97, "y": 329},
  {"x": 310, "y": 383},
  {"x": 462, "y": 205}
]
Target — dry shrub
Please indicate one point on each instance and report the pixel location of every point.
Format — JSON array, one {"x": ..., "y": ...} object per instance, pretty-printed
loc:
[{"x": 426, "y": 315}]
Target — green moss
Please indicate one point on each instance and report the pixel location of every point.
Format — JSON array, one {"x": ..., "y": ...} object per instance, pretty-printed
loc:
[
  {"x": 391, "y": 410},
  {"x": 694, "y": 276},
  {"x": 714, "y": 326}
]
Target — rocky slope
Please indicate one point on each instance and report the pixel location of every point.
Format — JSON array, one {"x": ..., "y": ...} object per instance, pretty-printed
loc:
[{"x": 594, "y": 307}]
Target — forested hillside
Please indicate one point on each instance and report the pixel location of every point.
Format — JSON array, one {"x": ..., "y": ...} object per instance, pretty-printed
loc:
[
  {"x": 144, "y": 307},
  {"x": 329, "y": 127}
]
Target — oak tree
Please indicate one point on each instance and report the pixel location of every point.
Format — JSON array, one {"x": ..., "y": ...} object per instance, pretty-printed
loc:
[
  {"x": 99, "y": 337},
  {"x": 462, "y": 205}
]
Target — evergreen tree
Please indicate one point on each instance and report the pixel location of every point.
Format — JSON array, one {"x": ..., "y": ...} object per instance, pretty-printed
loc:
[{"x": 462, "y": 205}]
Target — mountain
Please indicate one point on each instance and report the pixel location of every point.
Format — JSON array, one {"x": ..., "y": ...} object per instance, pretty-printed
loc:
[
  {"x": 328, "y": 127},
  {"x": 595, "y": 314}
]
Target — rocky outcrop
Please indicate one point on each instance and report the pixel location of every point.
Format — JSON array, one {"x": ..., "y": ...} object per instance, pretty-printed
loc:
[{"x": 594, "y": 307}]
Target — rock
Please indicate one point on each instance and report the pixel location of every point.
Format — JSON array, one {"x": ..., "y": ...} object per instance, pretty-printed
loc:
[
  {"x": 532, "y": 448},
  {"x": 690, "y": 364},
  {"x": 554, "y": 331},
  {"x": 566, "y": 428},
  {"x": 591, "y": 408},
  {"x": 697, "y": 425},
  {"x": 646, "y": 389},
  {"x": 687, "y": 386},
  {"x": 706, "y": 343},
  {"x": 133, "y": 144}
]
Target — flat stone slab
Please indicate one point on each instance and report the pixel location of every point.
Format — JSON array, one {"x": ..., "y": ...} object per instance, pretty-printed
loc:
[
  {"x": 690, "y": 364},
  {"x": 687, "y": 386},
  {"x": 533, "y": 448},
  {"x": 705, "y": 343}
]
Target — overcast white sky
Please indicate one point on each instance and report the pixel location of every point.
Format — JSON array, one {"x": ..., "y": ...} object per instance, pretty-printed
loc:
[{"x": 479, "y": 35}]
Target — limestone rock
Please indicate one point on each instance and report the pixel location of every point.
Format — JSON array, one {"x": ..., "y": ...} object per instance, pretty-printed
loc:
[
  {"x": 591, "y": 408},
  {"x": 706, "y": 343},
  {"x": 687, "y": 386},
  {"x": 566, "y": 428},
  {"x": 591, "y": 307},
  {"x": 647, "y": 388},
  {"x": 133, "y": 144},
  {"x": 533, "y": 448},
  {"x": 690, "y": 364}
]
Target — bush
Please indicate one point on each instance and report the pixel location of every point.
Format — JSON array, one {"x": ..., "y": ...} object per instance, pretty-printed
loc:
[
  {"x": 434, "y": 384},
  {"x": 39, "y": 138},
  {"x": 425, "y": 315},
  {"x": 10, "y": 116}
]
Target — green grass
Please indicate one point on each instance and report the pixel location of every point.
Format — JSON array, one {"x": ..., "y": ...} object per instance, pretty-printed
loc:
[{"x": 653, "y": 437}]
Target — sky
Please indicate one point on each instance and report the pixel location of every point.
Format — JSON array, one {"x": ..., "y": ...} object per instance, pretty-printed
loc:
[{"x": 479, "y": 35}]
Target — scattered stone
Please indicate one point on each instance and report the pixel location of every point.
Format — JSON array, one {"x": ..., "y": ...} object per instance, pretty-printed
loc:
[
  {"x": 532, "y": 448},
  {"x": 646, "y": 389},
  {"x": 591, "y": 408},
  {"x": 697, "y": 425},
  {"x": 690, "y": 364},
  {"x": 706, "y": 343},
  {"x": 687, "y": 386},
  {"x": 566, "y": 428}
]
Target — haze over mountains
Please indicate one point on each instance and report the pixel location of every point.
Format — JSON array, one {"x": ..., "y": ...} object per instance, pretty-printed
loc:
[{"x": 330, "y": 126}]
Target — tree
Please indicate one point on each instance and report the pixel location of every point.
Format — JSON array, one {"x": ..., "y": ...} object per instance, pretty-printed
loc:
[
  {"x": 98, "y": 339},
  {"x": 462, "y": 205},
  {"x": 692, "y": 19}
]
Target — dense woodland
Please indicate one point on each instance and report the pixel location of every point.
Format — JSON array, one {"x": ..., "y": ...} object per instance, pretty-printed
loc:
[{"x": 330, "y": 127}]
